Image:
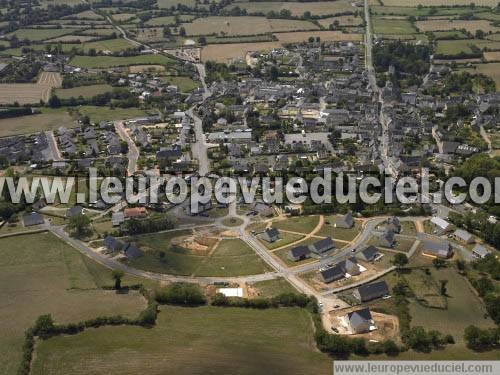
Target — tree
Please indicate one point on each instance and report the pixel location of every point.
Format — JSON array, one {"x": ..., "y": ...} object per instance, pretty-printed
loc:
[
  {"x": 117, "y": 276},
  {"x": 80, "y": 224},
  {"x": 202, "y": 40},
  {"x": 443, "y": 290},
  {"x": 182, "y": 31},
  {"x": 400, "y": 260},
  {"x": 54, "y": 102},
  {"x": 438, "y": 263},
  {"x": 484, "y": 286}
]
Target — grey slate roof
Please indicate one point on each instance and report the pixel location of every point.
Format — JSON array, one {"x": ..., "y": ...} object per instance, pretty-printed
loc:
[
  {"x": 32, "y": 219},
  {"x": 345, "y": 221},
  {"x": 113, "y": 244},
  {"x": 369, "y": 253},
  {"x": 299, "y": 252},
  {"x": 372, "y": 291},
  {"x": 132, "y": 251},
  {"x": 322, "y": 246}
]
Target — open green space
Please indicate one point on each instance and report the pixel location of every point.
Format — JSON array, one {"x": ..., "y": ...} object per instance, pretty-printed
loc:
[
  {"x": 392, "y": 26},
  {"x": 454, "y": 47},
  {"x": 232, "y": 257},
  {"x": 39, "y": 274},
  {"x": 300, "y": 224},
  {"x": 97, "y": 114},
  {"x": 285, "y": 239},
  {"x": 84, "y": 91},
  {"x": 116, "y": 61},
  {"x": 48, "y": 119},
  {"x": 492, "y": 70},
  {"x": 39, "y": 34},
  {"x": 185, "y": 84},
  {"x": 192, "y": 341},
  {"x": 274, "y": 287}
]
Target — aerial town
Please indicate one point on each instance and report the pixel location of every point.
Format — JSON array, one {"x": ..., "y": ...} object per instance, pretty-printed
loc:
[{"x": 194, "y": 89}]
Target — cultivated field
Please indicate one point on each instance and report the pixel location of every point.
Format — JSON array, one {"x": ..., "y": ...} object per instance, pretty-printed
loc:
[
  {"x": 41, "y": 275},
  {"x": 173, "y": 3},
  {"x": 441, "y": 25},
  {"x": 225, "y": 340},
  {"x": 492, "y": 70},
  {"x": 28, "y": 93},
  {"x": 145, "y": 68},
  {"x": 244, "y": 26},
  {"x": 39, "y": 34},
  {"x": 412, "y": 3},
  {"x": 453, "y": 47},
  {"x": 342, "y": 21},
  {"x": 326, "y": 36},
  {"x": 297, "y": 8},
  {"x": 85, "y": 91},
  {"x": 72, "y": 39},
  {"x": 492, "y": 56},
  {"x": 167, "y": 20},
  {"x": 47, "y": 120}
]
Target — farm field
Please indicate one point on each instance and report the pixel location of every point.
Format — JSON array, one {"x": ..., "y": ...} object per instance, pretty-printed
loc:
[
  {"x": 392, "y": 26},
  {"x": 326, "y": 36},
  {"x": 101, "y": 31},
  {"x": 27, "y": 93},
  {"x": 453, "y": 47},
  {"x": 170, "y": 3},
  {"x": 414, "y": 11},
  {"x": 471, "y": 26},
  {"x": 72, "y": 39},
  {"x": 342, "y": 20},
  {"x": 85, "y": 91},
  {"x": 227, "y": 52},
  {"x": 244, "y": 26},
  {"x": 411, "y": 3},
  {"x": 297, "y": 8},
  {"x": 280, "y": 338},
  {"x": 167, "y": 20},
  {"x": 491, "y": 70},
  {"x": 112, "y": 45},
  {"x": 50, "y": 277},
  {"x": 47, "y": 120},
  {"x": 86, "y": 15},
  {"x": 104, "y": 62},
  {"x": 39, "y": 34},
  {"x": 122, "y": 17},
  {"x": 492, "y": 56}
]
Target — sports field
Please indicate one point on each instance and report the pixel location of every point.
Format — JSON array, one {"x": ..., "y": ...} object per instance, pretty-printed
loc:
[{"x": 199, "y": 340}]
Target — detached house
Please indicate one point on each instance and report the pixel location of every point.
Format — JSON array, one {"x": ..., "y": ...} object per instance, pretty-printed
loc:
[
  {"x": 345, "y": 222},
  {"x": 369, "y": 292},
  {"x": 270, "y": 235},
  {"x": 359, "y": 321},
  {"x": 299, "y": 253},
  {"x": 322, "y": 246}
]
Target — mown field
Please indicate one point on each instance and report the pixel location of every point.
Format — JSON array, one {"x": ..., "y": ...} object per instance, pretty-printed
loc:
[
  {"x": 84, "y": 91},
  {"x": 297, "y": 8},
  {"x": 492, "y": 70},
  {"x": 103, "y": 62},
  {"x": 471, "y": 26},
  {"x": 325, "y": 36},
  {"x": 392, "y": 26},
  {"x": 97, "y": 114},
  {"x": 244, "y": 26},
  {"x": 192, "y": 341},
  {"x": 412, "y": 3},
  {"x": 41, "y": 275},
  {"x": 453, "y": 47},
  {"x": 39, "y": 34},
  {"x": 47, "y": 120},
  {"x": 28, "y": 93},
  {"x": 227, "y": 52}
]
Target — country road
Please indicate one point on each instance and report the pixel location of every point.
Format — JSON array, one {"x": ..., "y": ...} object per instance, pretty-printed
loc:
[{"x": 133, "y": 151}]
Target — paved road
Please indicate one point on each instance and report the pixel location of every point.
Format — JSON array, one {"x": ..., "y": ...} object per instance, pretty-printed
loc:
[
  {"x": 133, "y": 151},
  {"x": 54, "y": 148}
]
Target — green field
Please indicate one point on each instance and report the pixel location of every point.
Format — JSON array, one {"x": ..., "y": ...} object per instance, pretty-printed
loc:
[
  {"x": 40, "y": 275},
  {"x": 185, "y": 84},
  {"x": 317, "y": 8},
  {"x": 168, "y": 20},
  {"x": 85, "y": 91},
  {"x": 173, "y": 3},
  {"x": 342, "y": 234},
  {"x": 274, "y": 287},
  {"x": 302, "y": 224},
  {"x": 97, "y": 114},
  {"x": 232, "y": 257},
  {"x": 492, "y": 70},
  {"x": 435, "y": 11},
  {"x": 111, "y": 61},
  {"x": 47, "y": 120},
  {"x": 204, "y": 340},
  {"x": 392, "y": 26},
  {"x": 39, "y": 34},
  {"x": 285, "y": 239},
  {"x": 453, "y": 47}
]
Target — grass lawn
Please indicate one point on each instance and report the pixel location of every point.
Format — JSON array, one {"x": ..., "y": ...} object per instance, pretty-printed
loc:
[
  {"x": 47, "y": 120},
  {"x": 283, "y": 253},
  {"x": 285, "y": 239},
  {"x": 97, "y": 114},
  {"x": 111, "y": 61},
  {"x": 185, "y": 84},
  {"x": 392, "y": 26},
  {"x": 192, "y": 341},
  {"x": 232, "y": 257},
  {"x": 271, "y": 288},
  {"x": 300, "y": 224},
  {"x": 339, "y": 233},
  {"x": 408, "y": 228},
  {"x": 85, "y": 91},
  {"x": 40, "y": 274}
]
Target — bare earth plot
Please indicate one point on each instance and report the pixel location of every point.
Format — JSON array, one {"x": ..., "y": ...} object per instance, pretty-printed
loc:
[
  {"x": 244, "y": 26},
  {"x": 28, "y": 93},
  {"x": 471, "y": 26},
  {"x": 39, "y": 274},
  {"x": 204, "y": 340}
]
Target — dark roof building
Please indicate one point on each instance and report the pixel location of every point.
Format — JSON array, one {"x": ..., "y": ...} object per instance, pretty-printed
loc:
[
  {"x": 393, "y": 224},
  {"x": 387, "y": 239},
  {"x": 369, "y": 253},
  {"x": 322, "y": 246},
  {"x": 113, "y": 244},
  {"x": 372, "y": 291},
  {"x": 299, "y": 253},
  {"x": 270, "y": 235},
  {"x": 131, "y": 251},
  {"x": 345, "y": 221},
  {"x": 359, "y": 321},
  {"x": 436, "y": 248},
  {"x": 340, "y": 270},
  {"x": 74, "y": 211},
  {"x": 32, "y": 219}
]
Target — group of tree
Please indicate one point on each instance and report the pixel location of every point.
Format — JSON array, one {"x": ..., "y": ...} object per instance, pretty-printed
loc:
[
  {"x": 148, "y": 225},
  {"x": 406, "y": 58},
  {"x": 482, "y": 339},
  {"x": 180, "y": 294}
]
